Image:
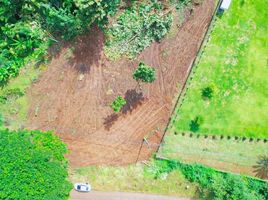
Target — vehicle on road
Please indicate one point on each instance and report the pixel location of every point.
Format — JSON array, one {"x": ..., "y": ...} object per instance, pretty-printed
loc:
[{"x": 82, "y": 187}]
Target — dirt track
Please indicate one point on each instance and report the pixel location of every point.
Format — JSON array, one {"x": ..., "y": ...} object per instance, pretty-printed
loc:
[{"x": 73, "y": 95}]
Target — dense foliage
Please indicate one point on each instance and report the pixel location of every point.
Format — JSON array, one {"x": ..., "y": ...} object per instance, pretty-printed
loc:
[
  {"x": 26, "y": 27},
  {"x": 19, "y": 42},
  {"x": 144, "y": 73},
  {"x": 32, "y": 166},
  {"x": 214, "y": 184},
  {"x": 136, "y": 28},
  {"x": 118, "y": 103}
]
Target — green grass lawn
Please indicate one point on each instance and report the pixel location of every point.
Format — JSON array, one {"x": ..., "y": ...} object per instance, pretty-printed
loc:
[
  {"x": 225, "y": 154},
  {"x": 13, "y": 100},
  {"x": 135, "y": 178},
  {"x": 235, "y": 65}
]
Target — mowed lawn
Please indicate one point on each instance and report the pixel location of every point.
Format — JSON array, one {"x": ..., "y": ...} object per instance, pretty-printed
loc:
[
  {"x": 235, "y": 66},
  {"x": 234, "y": 155}
]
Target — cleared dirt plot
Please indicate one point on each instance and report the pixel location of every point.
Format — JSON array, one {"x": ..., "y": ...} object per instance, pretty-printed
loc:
[{"x": 74, "y": 94}]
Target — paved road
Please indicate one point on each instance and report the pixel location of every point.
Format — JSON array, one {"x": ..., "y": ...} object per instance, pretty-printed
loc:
[{"x": 96, "y": 195}]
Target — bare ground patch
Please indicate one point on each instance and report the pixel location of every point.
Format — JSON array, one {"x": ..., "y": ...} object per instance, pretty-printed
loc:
[{"x": 73, "y": 96}]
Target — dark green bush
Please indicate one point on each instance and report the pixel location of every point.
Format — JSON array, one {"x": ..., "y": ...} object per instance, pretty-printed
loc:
[
  {"x": 195, "y": 123},
  {"x": 207, "y": 93},
  {"x": 144, "y": 73},
  {"x": 32, "y": 166}
]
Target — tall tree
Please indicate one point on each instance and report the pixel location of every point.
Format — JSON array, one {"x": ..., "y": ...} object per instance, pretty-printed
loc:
[{"x": 144, "y": 73}]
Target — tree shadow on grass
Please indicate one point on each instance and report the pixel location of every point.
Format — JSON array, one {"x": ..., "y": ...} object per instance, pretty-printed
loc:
[
  {"x": 261, "y": 168},
  {"x": 133, "y": 99},
  {"x": 110, "y": 120}
]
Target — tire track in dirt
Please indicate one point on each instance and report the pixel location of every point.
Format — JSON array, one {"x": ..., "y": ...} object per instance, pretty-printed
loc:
[{"x": 73, "y": 95}]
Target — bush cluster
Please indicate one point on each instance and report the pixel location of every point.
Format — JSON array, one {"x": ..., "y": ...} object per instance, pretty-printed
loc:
[
  {"x": 32, "y": 166},
  {"x": 215, "y": 184},
  {"x": 144, "y": 73},
  {"x": 136, "y": 28}
]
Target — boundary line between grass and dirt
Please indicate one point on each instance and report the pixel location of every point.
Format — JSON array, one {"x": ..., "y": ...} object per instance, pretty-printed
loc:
[
  {"x": 217, "y": 170},
  {"x": 189, "y": 77}
]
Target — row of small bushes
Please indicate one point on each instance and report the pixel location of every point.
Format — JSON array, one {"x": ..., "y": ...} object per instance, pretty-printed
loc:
[
  {"x": 214, "y": 137},
  {"x": 214, "y": 184}
]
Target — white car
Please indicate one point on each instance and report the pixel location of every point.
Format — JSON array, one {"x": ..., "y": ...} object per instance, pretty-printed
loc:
[{"x": 82, "y": 187}]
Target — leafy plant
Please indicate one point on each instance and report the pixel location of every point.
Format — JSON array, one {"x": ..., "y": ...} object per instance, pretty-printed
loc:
[
  {"x": 195, "y": 123},
  {"x": 207, "y": 93},
  {"x": 18, "y": 42},
  {"x": 118, "y": 103},
  {"x": 32, "y": 166},
  {"x": 144, "y": 73}
]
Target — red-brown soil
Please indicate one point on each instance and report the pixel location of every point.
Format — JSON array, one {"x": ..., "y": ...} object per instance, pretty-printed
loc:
[{"x": 73, "y": 96}]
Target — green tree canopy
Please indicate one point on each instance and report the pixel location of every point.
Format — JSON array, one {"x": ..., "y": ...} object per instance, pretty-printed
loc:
[
  {"x": 27, "y": 25},
  {"x": 144, "y": 73},
  {"x": 32, "y": 166}
]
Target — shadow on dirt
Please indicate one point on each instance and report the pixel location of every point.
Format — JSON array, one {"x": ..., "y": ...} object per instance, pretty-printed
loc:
[
  {"x": 83, "y": 52},
  {"x": 110, "y": 120},
  {"x": 87, "y": 50},
  {"x": 133, "y": 99}
]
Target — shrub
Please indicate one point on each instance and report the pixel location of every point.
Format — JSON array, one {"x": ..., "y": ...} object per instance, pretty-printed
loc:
[
  {"x": 207, "y": 93},
  {"x": 214, "y": 184},
  {"x": 32, "y": 166},
  {"x": 118, "y": 103},
  {"x": 195, "y": 123},
  {"x": 136, "y": 28},
  {"x": 144, "y": 73}
]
